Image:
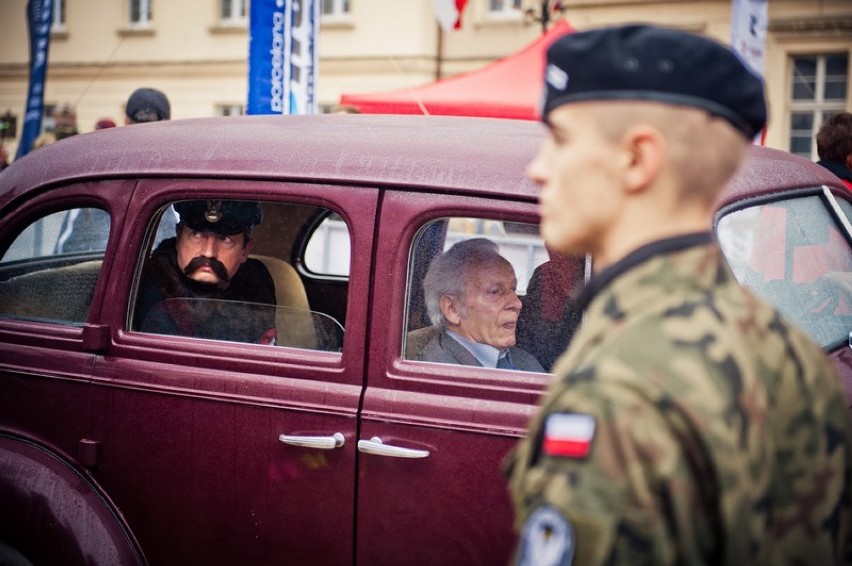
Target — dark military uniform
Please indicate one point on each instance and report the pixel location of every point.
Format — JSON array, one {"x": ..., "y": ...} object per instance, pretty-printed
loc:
[{"x": 688, "y": 423}]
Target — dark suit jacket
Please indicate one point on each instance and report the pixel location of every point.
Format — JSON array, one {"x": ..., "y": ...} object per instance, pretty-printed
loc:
[{"x": 443, "y": 349}]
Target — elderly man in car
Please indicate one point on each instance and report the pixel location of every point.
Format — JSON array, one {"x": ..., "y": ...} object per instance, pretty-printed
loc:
[
  {"x": 202, "y": 283},
  {"x": 470, "y": 295}
]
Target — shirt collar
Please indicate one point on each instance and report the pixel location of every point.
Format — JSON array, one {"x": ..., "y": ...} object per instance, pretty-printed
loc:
[{"x": 485, "y": 354}]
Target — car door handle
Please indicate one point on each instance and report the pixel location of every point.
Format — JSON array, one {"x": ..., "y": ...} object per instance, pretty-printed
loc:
[
  {"x": 322, "y": 442},
  {"x": 375, "y": 446}
]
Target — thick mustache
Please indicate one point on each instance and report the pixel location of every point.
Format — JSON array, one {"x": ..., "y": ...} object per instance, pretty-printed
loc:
[{"x": 198, "y": 262}]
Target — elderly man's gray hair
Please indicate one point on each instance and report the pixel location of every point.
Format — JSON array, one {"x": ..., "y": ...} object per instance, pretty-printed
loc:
[{"x": 448, "y": 273}]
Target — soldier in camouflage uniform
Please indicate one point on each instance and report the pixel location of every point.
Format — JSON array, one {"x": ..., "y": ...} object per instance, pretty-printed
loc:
[{"x": 688, "y": 422}]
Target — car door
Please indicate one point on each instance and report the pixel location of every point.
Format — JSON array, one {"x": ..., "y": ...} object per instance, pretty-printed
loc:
[
  {"x": 220, "y": 452},
  {"x": 52, "y": 276},
  {"x": 433, "y": 436},
  {"x": 49, "y": 308}
]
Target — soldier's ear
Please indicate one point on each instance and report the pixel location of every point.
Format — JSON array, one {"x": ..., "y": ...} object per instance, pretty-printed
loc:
[
  {"x": 450, "y": 310},
  {"x": 643, "y": 149}
]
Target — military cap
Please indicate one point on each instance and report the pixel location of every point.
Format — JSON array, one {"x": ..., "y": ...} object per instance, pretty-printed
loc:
[
  {"x": 148, "y": 105},
  {"x": 642, "y": 62},
  {"x": 224, "y": 217}
]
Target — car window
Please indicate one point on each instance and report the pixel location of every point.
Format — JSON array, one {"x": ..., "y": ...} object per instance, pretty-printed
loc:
[
  {"x": 221, "y": 270},
  {"x": 794, "y": 254},
  {"x": 327, "y": 250},
  {"x": 491, "y": 287},
  {"x": 49, "y": 271}
]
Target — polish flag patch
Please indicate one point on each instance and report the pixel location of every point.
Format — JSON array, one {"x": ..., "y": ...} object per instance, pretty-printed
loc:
[{"x": 568, "y": 435}]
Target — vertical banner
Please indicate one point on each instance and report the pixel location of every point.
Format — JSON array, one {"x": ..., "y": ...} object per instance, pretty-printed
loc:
[
  {"x": 283, "y": 61},
  {"x": 39, "y": 14},
  {"x": 748, "y": 31}
]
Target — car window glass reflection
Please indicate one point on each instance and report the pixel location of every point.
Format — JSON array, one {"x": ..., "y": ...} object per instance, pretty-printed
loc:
[
  {"x": 206, "y": 280},
  {"x": 50, "y": 270},
  {"x": 795, "y": 255},
  {"x": 488, "y": 293}
]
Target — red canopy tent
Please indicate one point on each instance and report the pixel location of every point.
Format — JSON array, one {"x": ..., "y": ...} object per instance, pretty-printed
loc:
[{"x": 507, "y": 88}]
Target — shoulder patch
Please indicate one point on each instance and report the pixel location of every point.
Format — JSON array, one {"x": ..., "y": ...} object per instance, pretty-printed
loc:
[
  {"x": 568, "y": 435},
  {"x": 547, "y": 539}
]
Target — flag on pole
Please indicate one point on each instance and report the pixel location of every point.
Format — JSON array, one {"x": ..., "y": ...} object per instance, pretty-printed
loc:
[
  {"x": 39, "y": 14},
  {"x": 748, "y": 31},
  {"x": 748, "y": 38},
  {"x": 448, "y": 13},
  {"x": 283, "y": 62}
]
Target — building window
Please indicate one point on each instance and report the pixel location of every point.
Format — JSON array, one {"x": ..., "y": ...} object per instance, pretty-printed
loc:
[
  {"x": 140, "y": 13},
  {"x": 504, "y": 8},
  {"x": 230, "y": 110},
  {"x": 57, "y": 20},
  {"x": 818, "y": 88},
  {"x": 335, "y": 9},
  {"x": 233, "y": 11}
]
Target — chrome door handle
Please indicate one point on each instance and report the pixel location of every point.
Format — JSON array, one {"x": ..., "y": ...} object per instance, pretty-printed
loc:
[
  {"x": 375, "y": 446},
  {"x": 322, "y": 442}
]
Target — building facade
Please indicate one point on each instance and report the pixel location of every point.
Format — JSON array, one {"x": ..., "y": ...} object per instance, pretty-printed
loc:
[{"x": 196, "y": 51}]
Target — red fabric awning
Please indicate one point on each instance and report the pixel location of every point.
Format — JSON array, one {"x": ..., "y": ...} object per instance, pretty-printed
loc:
[{"x": 507, "y": 88}]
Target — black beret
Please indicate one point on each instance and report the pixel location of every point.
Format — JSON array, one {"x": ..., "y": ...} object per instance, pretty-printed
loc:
[
  {"x": 641, "y": 62},
  {"x": 224, "y": 217},
  {"x": 148, "y": 105}
]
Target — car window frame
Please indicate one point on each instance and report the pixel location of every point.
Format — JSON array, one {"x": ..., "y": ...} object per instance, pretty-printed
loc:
[
  {"x": 110, "y": 195},
  {"x": 156, "y": 194}
]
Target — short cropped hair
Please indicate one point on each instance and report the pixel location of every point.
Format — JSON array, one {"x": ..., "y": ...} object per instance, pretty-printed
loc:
[
  {"x": 448, "y": 273},
  {"x": 834, "y": 139}
]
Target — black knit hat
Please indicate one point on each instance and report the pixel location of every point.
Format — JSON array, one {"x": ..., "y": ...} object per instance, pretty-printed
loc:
[
  {"x": 148, "y": 105},
  {"x": 224, "y": 217},
  {"x": 640, "y": 62}
]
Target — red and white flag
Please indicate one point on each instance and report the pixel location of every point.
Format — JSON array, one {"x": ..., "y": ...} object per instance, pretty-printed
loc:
[
  {"x": 568, "y": 435},
  {"x": 449, "y": 13}
]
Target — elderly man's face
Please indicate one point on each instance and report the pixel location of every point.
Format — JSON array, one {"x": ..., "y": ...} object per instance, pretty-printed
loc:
[
  {"x": 211, "y": 258},
  {"x": 488, "y": 310}
]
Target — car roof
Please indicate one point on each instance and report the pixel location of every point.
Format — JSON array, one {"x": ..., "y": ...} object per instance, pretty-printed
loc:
[{"x": 482, "y": 156}]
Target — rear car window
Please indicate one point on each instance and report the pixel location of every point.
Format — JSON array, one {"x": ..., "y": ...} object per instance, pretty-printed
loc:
[
  {"x": 260, "y": 298},
  {"x": 794, "y": 254},
  {"x": 49, "y": 271},
  {"x": 521, "y": 300}
]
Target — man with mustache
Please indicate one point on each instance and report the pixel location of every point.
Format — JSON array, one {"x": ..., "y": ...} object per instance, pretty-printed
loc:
[
  {"x": 470, "y": 296},
  {"x": 203, "y": 283}
]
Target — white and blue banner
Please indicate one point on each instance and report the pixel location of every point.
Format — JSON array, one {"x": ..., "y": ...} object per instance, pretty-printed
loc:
[
  {"x": 282, "y": 66},
  {"x": 39, "y": 14},
  {"x": 748, "y": 31}
]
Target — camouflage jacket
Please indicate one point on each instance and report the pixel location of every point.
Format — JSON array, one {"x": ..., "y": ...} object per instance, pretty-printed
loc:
[{"x": 688, "y": 423}]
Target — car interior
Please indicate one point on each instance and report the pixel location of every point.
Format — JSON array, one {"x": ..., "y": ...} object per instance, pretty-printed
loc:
[{"x": 546, "y": 281}]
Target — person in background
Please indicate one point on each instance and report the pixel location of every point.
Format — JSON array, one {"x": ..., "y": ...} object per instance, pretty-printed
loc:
[
  {"x": 147, "y": 105},
  {"x": 104, "y": 123},
  {"x": 64, "y": 121},
  {"x": 834, "y": 146},
  {"x": 470, "y": 296},
  {"x": 44, "y": 139},
  {"x": 688, "y": 422}
]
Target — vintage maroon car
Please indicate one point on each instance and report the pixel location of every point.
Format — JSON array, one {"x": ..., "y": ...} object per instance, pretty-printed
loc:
[{"x": 121, "y": 443}]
